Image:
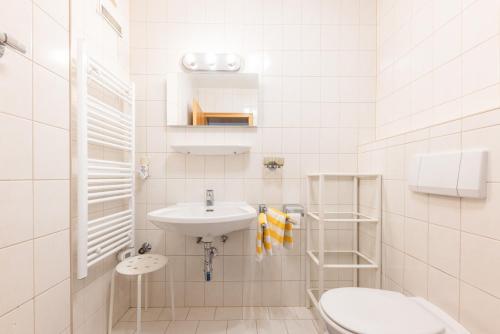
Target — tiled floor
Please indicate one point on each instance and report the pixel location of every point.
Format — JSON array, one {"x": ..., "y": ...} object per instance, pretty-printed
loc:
[{"x": 222, "y": 320}]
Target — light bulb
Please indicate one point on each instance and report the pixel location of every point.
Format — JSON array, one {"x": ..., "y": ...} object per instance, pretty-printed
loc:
[
  {"x": 190, "y": 60},
  {"x": 231, "y": 61},
  {"x": 211, "y": 60}
]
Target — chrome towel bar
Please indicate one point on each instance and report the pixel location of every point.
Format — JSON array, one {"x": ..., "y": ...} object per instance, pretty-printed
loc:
[{"x": 12, "y": 42}]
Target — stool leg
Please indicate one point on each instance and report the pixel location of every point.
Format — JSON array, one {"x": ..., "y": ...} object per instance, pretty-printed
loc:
[
  {"x": 139, "y": 297},
  {"x": 146, "y": 292},
  {"x": 172, "y": 299},
  {"x": 111, "y": 302}
]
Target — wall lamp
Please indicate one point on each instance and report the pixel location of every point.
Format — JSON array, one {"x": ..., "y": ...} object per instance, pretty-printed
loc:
[{"x": 226, "y": 62}]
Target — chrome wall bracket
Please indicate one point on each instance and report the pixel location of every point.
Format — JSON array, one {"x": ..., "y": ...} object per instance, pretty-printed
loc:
[{"x": 10, "y": 41}]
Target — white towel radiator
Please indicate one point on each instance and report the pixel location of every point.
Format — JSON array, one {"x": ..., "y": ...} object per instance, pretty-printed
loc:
[{"x": 101, "y": 181}]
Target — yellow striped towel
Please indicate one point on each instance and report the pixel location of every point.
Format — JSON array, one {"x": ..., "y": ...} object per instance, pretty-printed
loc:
[
  {"x": 263, "y": 241},
  {"x": 281, "y": 228},
  {"x": 288, "y": 237}
]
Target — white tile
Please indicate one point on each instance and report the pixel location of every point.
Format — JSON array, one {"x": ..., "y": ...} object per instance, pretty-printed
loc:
[
  {"x": 282, "y": 313},
  {"x": 16, "y": 207},
  {"x": 416, "y": 238},
  {"x": 415, "y": 277},
  {"x": 271, "y": 327},
  {"x": 182, "y": 327},
  {"x": 233, "y": 294},
  {"x": 15, "y": 148},
  {"x": 58, "y": 10},
  {"x": 479, "y": 22},
  {"x": 479, "y": 311},
  {"x": 444, "y": 291},
  {"x": 201, "y": 313},
  {"x": 255, "y": 313},
  {"x": 52, "y": 309},
  {"x": 16, "y": 85},
  {"x": 304, "y": 313},
  {"x": 394, "y": 231},
  {"x": 50, "y": 44},
  {"x": 17, "y": 279},
  {"x": 156, "y": 10},
  {"x": 480, "y": 66},
  {"x": 242, "y": 327},
  {"x": 50, "y": 98},
  {"x": 447, "y": 41},
  {"x": 479, "y": 262},
  {"x": 180, "y": 314},
  {"x": 444, "y": 249},
  {"x": 271, "y": 293},
  {"x": 300, "y": 326},
  {"x": 214, "y": 293},
  {"x": 212, "y": 327},
  {"x": 51, "y": 260},
  {"x": 252, "y": 297},
  {"x": 151, "y": 314},
  {"x": 51, "y": 206},
  {"x": 19, "y": 320},
  {"x": 233, "y": 268},
  {"x": 50, "y": 152},
  {"x": 479, "y": 216},
  {"x": 444, "y": 211}
]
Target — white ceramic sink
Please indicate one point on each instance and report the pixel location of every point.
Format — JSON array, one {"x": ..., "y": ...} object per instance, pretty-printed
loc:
[{"x": 198, "y": 220}]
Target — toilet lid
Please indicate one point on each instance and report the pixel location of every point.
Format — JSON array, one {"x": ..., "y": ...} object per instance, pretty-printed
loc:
[{"x": 370, "y": 311}]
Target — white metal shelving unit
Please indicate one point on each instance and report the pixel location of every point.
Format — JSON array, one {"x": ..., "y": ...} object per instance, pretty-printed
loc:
[
  {"x": 103, "y": 181},
  {"x": 322, "y": 216}
]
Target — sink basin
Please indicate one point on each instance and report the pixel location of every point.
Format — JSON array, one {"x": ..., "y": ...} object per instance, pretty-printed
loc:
[{"x": 198, "y": 220}]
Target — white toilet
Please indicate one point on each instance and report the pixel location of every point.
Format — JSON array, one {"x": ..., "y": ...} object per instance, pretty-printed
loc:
[{"x": 371, "y": 311}]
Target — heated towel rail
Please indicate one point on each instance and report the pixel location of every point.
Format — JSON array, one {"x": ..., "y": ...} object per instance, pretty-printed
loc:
[{"x": 103, "y": 181}]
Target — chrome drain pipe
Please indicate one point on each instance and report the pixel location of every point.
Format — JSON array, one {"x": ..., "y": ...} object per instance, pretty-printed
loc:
[{"x": 210, "y": 253}]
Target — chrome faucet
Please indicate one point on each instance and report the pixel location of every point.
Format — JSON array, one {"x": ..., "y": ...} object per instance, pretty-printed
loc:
[{"x": 209, "y": 197}]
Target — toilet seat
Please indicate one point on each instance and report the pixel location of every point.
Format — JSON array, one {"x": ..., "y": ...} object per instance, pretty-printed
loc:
[{"x": 370, "y": 311}]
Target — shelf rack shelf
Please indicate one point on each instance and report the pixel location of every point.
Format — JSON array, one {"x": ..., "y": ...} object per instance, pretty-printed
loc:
[{"x": 321, "y": 257}]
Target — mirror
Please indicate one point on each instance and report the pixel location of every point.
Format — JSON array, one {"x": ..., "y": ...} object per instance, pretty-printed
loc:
[{"x": 212, "y": 99}]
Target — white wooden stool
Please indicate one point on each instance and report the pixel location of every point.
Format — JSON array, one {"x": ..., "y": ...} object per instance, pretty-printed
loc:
[{"x": 137, "y": 266}]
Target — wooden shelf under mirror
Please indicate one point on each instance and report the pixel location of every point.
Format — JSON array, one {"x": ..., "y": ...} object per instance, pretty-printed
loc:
[{"x": 219, "y": 118}]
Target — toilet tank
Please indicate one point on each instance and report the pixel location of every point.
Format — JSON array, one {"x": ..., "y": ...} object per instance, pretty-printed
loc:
[{"x": 452, "y": 326}]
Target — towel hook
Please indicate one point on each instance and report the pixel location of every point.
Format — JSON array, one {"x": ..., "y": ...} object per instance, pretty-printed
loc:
[{"x": 10, "y": 41}]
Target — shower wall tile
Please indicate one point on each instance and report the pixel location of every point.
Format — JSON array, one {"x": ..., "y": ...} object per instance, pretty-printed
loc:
[
  {"x": 16, "y": 148},
  {"x": 50, "y": 152},
  {"x": 16, "y": 207},
  {"x": 50, "y": 43},
  {"x": 34, "y": 143},
  {"x": 16, "y": 87},
  {"x": 17, "y": 279},
  {"x": 51, "y": 260}
]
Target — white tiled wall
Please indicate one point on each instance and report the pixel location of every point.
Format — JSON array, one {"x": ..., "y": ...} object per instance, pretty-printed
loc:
[
  {"x": 34, "y": 173},
  {"x": 438, "y": 90},
  {"x": 317, "y": 62},
  {"x": 438, "y": 61},
  {"x": 442, "y": 248},
  {"x": 91, "y": 295}
]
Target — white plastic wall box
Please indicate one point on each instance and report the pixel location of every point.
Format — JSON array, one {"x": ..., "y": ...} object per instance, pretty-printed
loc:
[{"x": 458, "y": 174}]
